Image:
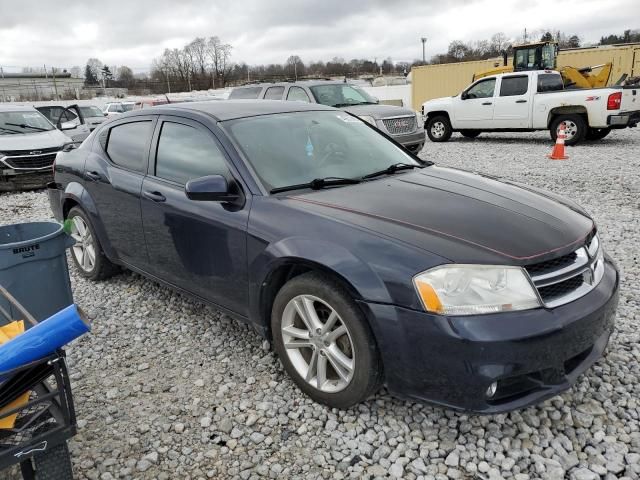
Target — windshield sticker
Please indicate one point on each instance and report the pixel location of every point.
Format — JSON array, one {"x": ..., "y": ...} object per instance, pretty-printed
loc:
[{"x": 309, "y": 147}]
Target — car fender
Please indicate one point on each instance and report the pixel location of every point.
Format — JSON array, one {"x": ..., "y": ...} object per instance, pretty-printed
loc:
[
  {"x": 76, "y": 193},
  {"x": 352, "y": 271}
]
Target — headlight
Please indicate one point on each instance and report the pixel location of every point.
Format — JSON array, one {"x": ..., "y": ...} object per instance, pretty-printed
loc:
[
  {"x": 368, "y": 119},
  {"x": 475, "y": 289}
]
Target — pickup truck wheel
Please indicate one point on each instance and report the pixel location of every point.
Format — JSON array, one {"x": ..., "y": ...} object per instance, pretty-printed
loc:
[
  {"x": 575, "y": 128},
  {"x": 597, "y": 133},
  {"x": 470, "y": 133},
  {"x": 87, "y": 253},
  {"x": 439, "y": 129},
  {"x": 324, "y": 341}
]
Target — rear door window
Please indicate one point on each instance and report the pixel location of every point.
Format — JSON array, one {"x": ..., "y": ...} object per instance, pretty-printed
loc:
[
  {"x": 297, "y": 94},
  {"x": 185, "y": 152},
  {"x": 127, "y": 145},
  {"x": 245, "y": 93},
  {"x": 274, "y": 93},
  {"x": 549, "y": 82},
  {"x": 511, "y": 86}
]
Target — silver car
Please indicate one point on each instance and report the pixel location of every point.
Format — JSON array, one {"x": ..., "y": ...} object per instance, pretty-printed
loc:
[{"x": 401, "y": 124}]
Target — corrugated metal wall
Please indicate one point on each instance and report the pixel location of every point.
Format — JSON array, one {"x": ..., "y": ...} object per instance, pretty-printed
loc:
[{"x": 433, "y": 81}]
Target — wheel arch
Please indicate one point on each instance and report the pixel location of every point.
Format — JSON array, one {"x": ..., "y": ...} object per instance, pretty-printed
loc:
[
  {"x": 567, "y": 110},
  {"x": 287, "y": 259},
  {"x": 436, "y": 113}
]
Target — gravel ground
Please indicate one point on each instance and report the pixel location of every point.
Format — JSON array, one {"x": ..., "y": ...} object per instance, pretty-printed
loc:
[{"x": 166, "y": 388}]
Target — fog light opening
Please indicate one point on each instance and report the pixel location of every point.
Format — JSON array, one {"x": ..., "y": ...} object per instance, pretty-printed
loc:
[{"x": 491, "y": 391}]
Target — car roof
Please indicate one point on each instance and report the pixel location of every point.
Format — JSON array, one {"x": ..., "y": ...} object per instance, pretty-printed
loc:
[
  {"x": 232, "y": 109},
  {"x": 308, "y": 83},
  {"x": 16, "y": 108}
]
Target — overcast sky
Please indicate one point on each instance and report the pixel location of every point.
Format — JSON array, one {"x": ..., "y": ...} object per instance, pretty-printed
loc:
[{"x": 65, "y": 33}]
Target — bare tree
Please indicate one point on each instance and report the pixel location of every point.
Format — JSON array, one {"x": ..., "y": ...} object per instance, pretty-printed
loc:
[{"x": 219, "y": 53}]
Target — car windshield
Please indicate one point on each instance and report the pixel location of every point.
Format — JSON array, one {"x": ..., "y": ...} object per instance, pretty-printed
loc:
[
  {"x": 20, "y": 122},
  {"x": 294, "y": 148},
  {"x": 341, "y": 95},
  {"x": 91, "y": 111},
  {"x": 127, "y": 106}
]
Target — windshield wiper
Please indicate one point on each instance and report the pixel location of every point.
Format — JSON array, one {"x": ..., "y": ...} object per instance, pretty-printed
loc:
[
  {"x": 392, "y": 169},
  {"x": 24, "y": 125},
  {"x": 318, "y": 183},
  {"x": 9, "y": 130},
  {"x": 340, "y": 105}
]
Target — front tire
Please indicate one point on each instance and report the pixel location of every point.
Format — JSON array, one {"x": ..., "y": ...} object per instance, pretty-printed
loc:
[
  {"x": 87, "y": 254},
  {"x": 324, "y": 341},
  {"x": 470, "y": 133},
  {"x": 439, "y": 128},
  {"x": 597, "y": 133},
  {"x": 575, "y": 131}
]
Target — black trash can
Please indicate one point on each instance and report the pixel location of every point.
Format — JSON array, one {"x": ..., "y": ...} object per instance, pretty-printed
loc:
[{"x": 33, "y": 268}]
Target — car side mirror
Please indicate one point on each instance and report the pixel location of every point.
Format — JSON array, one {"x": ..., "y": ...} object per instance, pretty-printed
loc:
[
  {"x": 212, "y": 188},
  {"x": 68, "y": 126},
  {"x": 463, "y": 96}
]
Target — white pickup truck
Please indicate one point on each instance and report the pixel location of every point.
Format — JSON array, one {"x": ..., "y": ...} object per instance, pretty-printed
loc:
[{"x": 528, "y": 101}]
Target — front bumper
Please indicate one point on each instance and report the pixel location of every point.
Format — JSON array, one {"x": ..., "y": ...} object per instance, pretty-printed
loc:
[
  {"x": 532, "y": 354},
  {"x": 624, "y": 119},
  {"x": 413, "y": 141}
]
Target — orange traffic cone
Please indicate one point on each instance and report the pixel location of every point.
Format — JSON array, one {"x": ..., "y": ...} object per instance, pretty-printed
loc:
[{"x": 558, "y": 149}]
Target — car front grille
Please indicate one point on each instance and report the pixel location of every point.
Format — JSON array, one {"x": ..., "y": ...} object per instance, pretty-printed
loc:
[
  {"x": 39, "y": 161},
  {"x": 400, "y": 125},
  {"x": 567, "y": 278}
]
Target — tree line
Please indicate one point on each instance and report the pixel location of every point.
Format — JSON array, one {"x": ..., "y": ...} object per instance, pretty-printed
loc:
[{"x": 206, "y": 63}]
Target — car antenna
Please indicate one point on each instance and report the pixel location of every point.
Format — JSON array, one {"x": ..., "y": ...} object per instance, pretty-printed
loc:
[{"x": 165, "y": 96}]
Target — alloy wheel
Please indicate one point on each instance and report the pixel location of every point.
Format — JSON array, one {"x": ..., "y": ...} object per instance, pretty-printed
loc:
[
  {"x": 318, "y": 343},
  {"x": 84, "y": 250},
  {"x": 570, "y": 129},
  {"x": 438, "y": 129}
]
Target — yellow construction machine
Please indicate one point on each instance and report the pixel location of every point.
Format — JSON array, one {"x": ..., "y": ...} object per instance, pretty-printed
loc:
[{"x": 543, "y": 56}]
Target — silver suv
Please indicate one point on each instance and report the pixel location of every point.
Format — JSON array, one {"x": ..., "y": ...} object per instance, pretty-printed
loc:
[{"x": 401, "y": 124}]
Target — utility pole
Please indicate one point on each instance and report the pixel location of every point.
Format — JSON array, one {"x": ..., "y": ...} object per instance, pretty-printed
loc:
[
  {"x": 295, "y": 69},
  {"x": 55, "y": 86},
  {"x": 424, "y": 58},
  {"x": 525, "y": 35}
]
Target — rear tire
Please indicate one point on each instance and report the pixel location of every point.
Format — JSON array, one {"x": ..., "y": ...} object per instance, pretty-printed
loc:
[
  {"x": 320, "y": 299},
  {"x": 87, "y": 253},
  {"x": 470, "y": 133},
  {"x": 597, "y": 133},
  {"x": 576, "y": 128},
  {"x": 439, "y": 128}
]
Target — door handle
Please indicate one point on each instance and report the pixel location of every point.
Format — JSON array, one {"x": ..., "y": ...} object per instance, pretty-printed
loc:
[
  {"x": 486, "y": 103},
  {"x": 521, "y": 101},
  {"x": 154, "y": 196},
  {"x": 93, "y": 176}
]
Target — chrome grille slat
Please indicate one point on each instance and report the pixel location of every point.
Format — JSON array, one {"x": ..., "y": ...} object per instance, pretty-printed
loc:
[
  {"x": 564, "y": 279},
  {"x": 30, "y": 162},
  {"x": 400, "y": 125}
]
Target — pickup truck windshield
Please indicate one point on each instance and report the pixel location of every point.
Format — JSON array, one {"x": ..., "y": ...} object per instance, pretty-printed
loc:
[
  {"x": 297, "y": 148},
  {"x": 21, "y": 122},
  {"x": 341, "y": 95}
]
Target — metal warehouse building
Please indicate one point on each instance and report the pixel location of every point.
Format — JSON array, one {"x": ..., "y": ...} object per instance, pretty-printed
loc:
[
  {"x": 29, "y": 86},
  {"x": 442, "y": 80}
]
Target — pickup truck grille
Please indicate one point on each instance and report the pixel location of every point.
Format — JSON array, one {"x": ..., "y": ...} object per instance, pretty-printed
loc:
[
  {"x": 25, "y": 161},
  {"x": 567, "y": 278},
  {"x": 400, "y": 125}
]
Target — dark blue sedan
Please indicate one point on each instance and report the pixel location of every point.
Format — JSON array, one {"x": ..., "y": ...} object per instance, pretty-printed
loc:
[{"x": 362, "y": 263}]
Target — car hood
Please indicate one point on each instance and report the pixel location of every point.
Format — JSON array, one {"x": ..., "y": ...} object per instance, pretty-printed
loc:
[
  {"x": 33, "y": 141},
  {"x": 378, "y": 111},
  {"x": 458, "y": 215},
  {"x": 439, "y": 102}
]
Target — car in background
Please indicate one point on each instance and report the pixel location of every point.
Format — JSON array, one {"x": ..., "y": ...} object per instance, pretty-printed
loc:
[
  {"x": 401, "y": 124},
  {"x": 92, "y": 115},
  {"x": 70, "y": 119},
  {"x": 364, "y": 264},
  {"x": 29, "y": 144},
  {"x": 149, "y": 102},
  {"x": 117, "y": 108}
]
